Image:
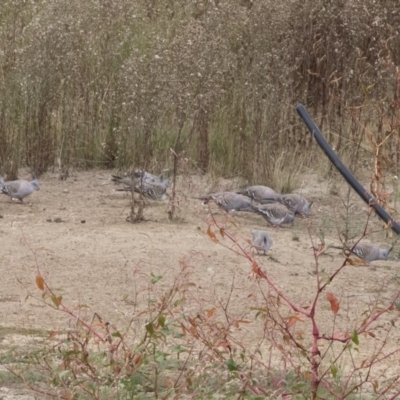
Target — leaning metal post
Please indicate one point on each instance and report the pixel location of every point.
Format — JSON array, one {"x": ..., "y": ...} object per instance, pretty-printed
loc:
[{"x": 335, "y": 160}]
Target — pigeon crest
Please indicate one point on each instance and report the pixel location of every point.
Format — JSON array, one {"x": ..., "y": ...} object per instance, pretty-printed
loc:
[{"x": 295, "y": 203}]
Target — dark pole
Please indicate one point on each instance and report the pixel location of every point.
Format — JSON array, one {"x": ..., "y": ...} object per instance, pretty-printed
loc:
[{"x": 335, "y": 160}]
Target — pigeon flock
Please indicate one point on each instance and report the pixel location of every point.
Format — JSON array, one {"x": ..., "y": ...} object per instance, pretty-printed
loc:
[{"x": 277, "y": 209}]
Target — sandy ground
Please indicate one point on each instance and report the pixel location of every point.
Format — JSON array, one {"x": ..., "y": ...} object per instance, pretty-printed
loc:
[{"x": 94, "y": 257}]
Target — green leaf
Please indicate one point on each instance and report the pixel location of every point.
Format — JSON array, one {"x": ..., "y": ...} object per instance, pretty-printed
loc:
[
  {"x": 63, "y": 374},
  {"x": 155, "y": 278},
  {"x": 178, "y": 349},
  {"x": 334, "y": 370},
  {"x": 354, "y": 338},
  {"x": 161, "y": 320},
  {"x": 160, "y": 357},
  {"x": 150, "y": 328},
  {"x": 116, "y": 334},
  {"x": 231, "y": 364}
]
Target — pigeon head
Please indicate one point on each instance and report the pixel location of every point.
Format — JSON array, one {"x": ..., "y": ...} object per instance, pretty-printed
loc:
[
  {"x": 307, "y": 208},
  {"x": 384, "y": 253},
  {"x": 35, "y": 184}
]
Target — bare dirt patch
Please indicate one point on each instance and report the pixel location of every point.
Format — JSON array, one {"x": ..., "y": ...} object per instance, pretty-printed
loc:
[{"x": 92, "y": 256}]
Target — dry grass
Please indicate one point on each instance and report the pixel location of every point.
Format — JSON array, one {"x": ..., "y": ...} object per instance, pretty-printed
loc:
[{"x": 86, "y": 84}]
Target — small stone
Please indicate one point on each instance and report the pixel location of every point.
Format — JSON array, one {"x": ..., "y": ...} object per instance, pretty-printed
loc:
[
  {"x": 58, "y": 220},
  {"x": 83, "y": 221},
  {"x": 65, "y": 191},
  {"x": 48, "y": 219}
]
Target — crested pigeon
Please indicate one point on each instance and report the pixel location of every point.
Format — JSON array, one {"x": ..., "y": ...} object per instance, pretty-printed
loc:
[
  {"x": 295, "y": 203},
  {"x": 139, "y": 178},
  {"x": 124, "y": 180},
  {"x": 367, "y": 251},
  {"x": 229, "y": 201},
  {"x": 19, "y": 189},
  {"x": 261, "y": 241},
  {"x": 260, "y": 194},
  {"x": 152, "y": 191},
  {"x": 150, "y": 178},
  {"x": 208, "y": 197},
  {"x": 275, "y": 214}
]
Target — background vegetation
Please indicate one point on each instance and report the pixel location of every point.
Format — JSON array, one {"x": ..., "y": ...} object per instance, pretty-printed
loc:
[{"x": 118, "y": 83}]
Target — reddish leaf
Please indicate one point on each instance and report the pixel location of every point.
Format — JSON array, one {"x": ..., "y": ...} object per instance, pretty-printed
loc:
[
  {"x": 255, "y": 268},
  {"x": 293, "y": 320},
  {"x": 52, "y": 334},
  {"x": 210, "y": 313},
  {"x": 242, "y": 321},
  {"x": 308, "y": 375},
  {"x": 222, "y": 232},
  {"x": 169, "y": 383},
  {"x": 334, "y": 302},
  {"x": 364, "y": 363},
  {"x": 69, "y": 395},
  {"x": 193, "y": 331},
  {"x": 39, "y": 282},
  {"x": 211, "y": 234},
  {"x": 138, "y": 359},
  {"x": 355, "y": 261}
]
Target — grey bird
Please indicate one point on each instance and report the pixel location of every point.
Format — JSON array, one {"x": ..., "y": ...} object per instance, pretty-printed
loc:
[
  {"x": 229, "y": 201},
  {"x": 19, "y": 189},
  {"x": 295, "y": 203},
  {"x": 124, "y": 180},
  {"x": 275, "y": 214},
  {"x": 261, "y": 241},
  {"x": 260, "y": 194},
  {"x": 367, "y": 251},
  {"x": 208, "y": 197},
  {"x": 151, "y": 191},
  {"x": 150, "y": 178},
  {"x": 140, "y": 177}
]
